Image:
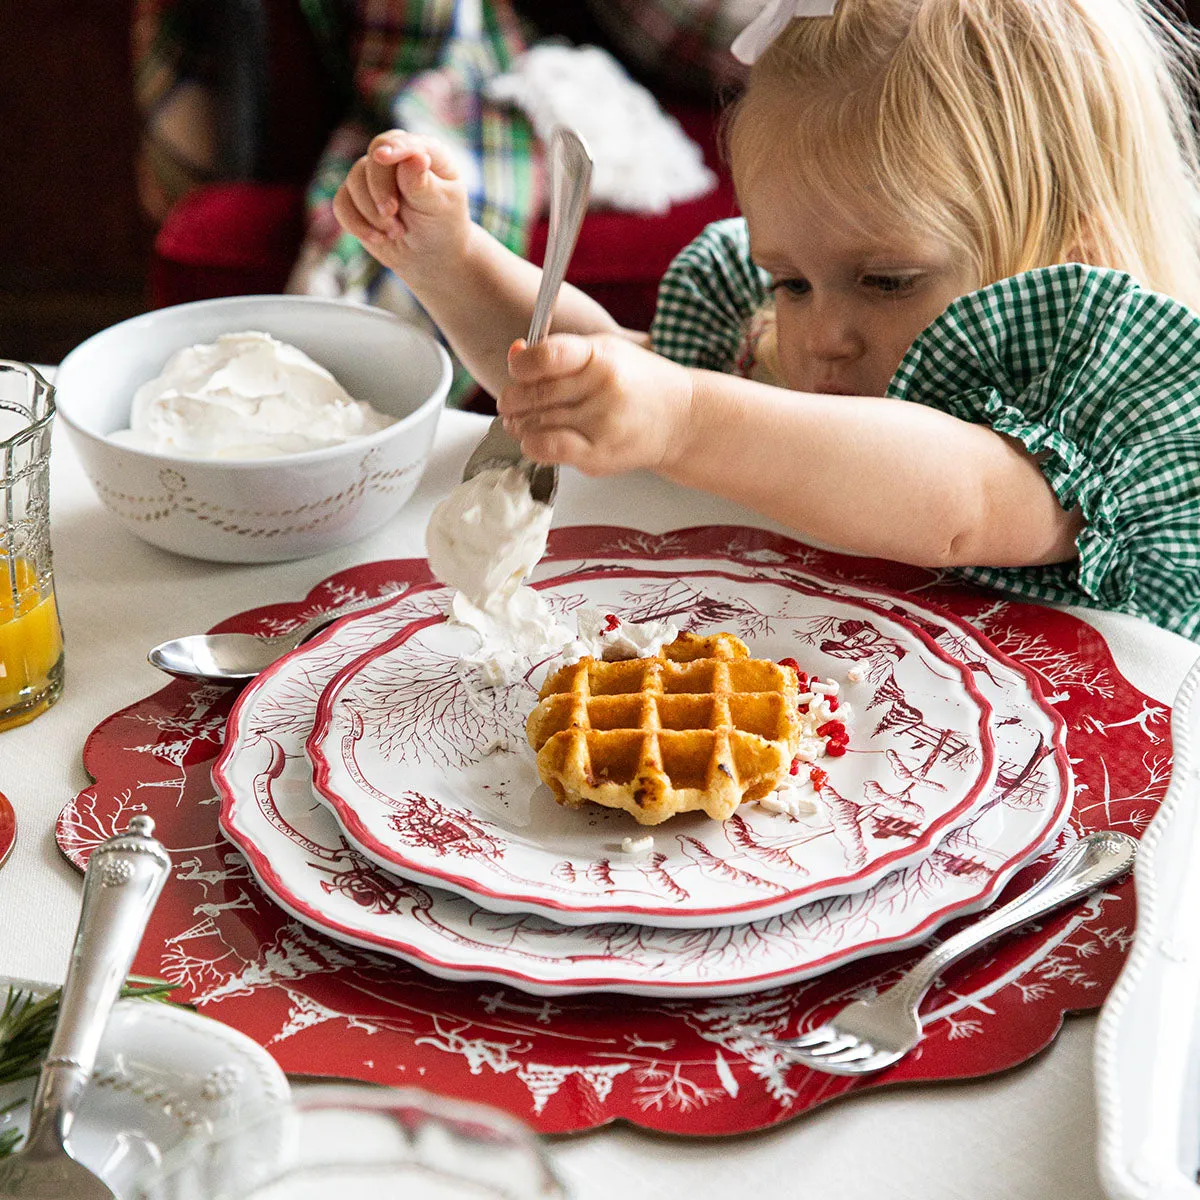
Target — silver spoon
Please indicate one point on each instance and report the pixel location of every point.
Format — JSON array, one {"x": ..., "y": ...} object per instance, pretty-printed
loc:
[
  {"x": 238, "y": 657},
  {"x": 120, "y": 888},
  {"x": 570, "y": 180}
]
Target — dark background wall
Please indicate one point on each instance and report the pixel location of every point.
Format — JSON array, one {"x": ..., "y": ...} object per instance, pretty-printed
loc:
[{"x": 73, "y": 245}]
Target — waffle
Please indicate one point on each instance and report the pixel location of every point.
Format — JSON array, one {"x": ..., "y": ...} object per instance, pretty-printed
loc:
[{"x": 699, "y": 726}]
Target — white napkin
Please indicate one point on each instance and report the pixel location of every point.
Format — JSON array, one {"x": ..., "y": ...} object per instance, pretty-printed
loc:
[{"x": 642, "y": 159}]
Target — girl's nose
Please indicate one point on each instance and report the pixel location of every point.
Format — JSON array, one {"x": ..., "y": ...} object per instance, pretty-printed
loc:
[{"x": 831, "y": 331}]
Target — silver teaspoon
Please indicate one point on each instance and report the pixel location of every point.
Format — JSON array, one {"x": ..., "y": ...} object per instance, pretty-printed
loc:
[
  {"x": 238, "y": 657},
  {"x": 570, "y": 181}
]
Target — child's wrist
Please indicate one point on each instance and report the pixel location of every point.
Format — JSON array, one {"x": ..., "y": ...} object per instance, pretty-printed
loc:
[
  {"x": 679, "y": 414},
  {"x": 442, "y": 271}
]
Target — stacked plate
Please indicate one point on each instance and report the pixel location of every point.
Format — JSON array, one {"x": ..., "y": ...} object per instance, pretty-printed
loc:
[{"x": 386, "y": 798}]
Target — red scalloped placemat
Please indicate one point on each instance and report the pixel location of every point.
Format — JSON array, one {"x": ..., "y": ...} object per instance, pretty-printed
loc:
[{"x": 323, "y": 1008}]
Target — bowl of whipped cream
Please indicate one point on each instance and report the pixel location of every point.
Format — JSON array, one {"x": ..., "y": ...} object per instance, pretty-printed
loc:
[{"x": 255, "y": 428}]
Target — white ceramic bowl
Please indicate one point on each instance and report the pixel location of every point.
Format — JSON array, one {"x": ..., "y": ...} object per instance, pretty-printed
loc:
[{"x": 266, "y": 509}]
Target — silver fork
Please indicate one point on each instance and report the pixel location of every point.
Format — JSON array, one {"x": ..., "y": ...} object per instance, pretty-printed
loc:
[
  {"x": 124, "y": 877},
  {"x": 868, "y": 1035},
  {"x": 570, "y": 180}
]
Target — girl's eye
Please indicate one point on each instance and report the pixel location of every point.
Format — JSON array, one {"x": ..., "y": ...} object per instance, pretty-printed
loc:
[
  {"x": 890, "y": 285},
  {"x": 792, "y": 287}
]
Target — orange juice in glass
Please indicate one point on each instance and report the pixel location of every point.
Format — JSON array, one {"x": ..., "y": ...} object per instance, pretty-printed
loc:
[{"x": 31, "y": 644}]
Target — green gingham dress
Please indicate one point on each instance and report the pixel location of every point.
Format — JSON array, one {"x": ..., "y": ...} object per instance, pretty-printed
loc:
[{"x": 1097, "y": 377}]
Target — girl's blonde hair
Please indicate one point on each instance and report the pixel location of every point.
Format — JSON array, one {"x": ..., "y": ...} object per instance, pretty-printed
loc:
[{"x": 1024, "y": 132}]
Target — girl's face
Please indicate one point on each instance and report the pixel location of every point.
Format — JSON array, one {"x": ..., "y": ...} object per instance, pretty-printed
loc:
[{"x": 851, "y": 295}]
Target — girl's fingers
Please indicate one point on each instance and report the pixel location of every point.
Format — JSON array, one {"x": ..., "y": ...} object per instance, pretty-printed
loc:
[
  {"x": 360, "y": 195},
  {"x": 382, "y": 186},
  {"x": 351, "y": 220},
  {"x": 396, "y": 146},
  {"x": 405, "y": 165},
  {"x": 560, "y": 354},
  {"x": 574, "y": 416},
  {"x": 540, "y": 398},
  {"x": 405, "y": 168},
  {"x": 562, "y": 445}
]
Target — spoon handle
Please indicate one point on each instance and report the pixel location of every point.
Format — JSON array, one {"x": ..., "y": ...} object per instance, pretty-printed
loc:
[
  {"x": 121, "y": 886},
  {"x": 570, "y": 182},
  {"x": 309, "y": 627}
]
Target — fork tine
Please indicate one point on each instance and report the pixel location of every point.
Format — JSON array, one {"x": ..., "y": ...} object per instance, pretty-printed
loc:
[
  {"x": 858, "y": 1053},
  {"x": 840, "y": 1042},
  {"x": 863, "y": 1066},
  {"x": 819, "y": 1036}
]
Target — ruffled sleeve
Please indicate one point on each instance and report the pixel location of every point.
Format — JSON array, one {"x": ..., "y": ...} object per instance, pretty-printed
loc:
[
  {"x": 707, "y": 298},
  {"x": 1100, "y": 380}
]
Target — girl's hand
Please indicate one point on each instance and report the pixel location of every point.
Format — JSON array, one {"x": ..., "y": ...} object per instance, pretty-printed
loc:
[
  {"x": 405, "y": 202},
  {"x": 600, "y": 403}
]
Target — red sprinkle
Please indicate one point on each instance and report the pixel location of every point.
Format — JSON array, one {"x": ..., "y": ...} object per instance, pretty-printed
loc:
[
  {"x": 610, "y": 623},
  {"x": 835, "y": 730},
  {"x": 832, "y": 701},
  {"x": 835, "y": 749},
  {"x": 795, "y": 666},
  {"x": 819, "y": 778},
  {"x": 795, "y": 769}
]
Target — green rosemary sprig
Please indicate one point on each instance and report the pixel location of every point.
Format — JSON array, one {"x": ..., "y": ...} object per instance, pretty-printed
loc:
[{"x": 26, "y": 1026}]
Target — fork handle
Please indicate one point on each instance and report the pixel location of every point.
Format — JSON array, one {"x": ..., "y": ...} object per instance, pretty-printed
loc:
[
  {"x": 1088, "y": 864},
  {"x": 121, "y": 886}
]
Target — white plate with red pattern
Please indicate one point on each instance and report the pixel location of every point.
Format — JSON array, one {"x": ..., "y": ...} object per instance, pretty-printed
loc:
[
  {"x": 404, "y": 753},
  {"x": 302, "y": 859}
]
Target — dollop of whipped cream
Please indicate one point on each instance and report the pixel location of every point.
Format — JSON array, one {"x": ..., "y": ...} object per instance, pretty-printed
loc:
[
  {"x": 484, "y": 539},
  {"x": 603, "y": 635},
  {"x": 246, "y": 395}
]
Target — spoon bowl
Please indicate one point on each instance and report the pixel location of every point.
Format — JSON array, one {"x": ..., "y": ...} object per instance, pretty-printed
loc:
[{"x": 220, "y": 657}]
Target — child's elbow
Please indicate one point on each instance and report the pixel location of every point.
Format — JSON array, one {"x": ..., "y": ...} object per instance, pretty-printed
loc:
[{"x": 988, "y": 534}]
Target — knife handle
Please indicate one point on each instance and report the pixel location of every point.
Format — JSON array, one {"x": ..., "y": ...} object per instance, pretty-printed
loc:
[{"x": 120, "y": 888}]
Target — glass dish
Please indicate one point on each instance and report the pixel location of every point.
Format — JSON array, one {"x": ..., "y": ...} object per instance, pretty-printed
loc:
[{"x": 358, "y": 1142}]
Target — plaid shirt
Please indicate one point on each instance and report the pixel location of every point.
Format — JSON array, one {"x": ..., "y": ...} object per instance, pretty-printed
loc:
[
  {"x": 1094, "y": 375},
  {"x": 421, "y": 65}
]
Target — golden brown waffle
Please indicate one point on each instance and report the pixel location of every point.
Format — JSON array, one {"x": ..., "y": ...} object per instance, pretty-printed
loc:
[{"x": 701, "y": 725}]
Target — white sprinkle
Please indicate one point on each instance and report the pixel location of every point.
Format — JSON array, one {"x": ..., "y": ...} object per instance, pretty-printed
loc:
[
  {"x": 824, "y": 687},
  {"x": 499, "y": 745},
  {"x": 854, "y": 675},
  {"x": 788, "y": 801},
  {"x": 640, "y": 845}
]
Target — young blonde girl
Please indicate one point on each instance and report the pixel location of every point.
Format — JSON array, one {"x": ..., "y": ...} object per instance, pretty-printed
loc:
[{"x": 897, "y": 349}]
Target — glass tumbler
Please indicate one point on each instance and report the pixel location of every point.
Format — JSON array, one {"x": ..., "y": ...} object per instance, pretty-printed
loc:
[
  {"x": 31, "y": 644},
  {"x": 358, "y": 1142}
]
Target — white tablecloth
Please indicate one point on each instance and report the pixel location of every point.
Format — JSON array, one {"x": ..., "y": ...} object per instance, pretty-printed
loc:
[{"x": 1027, "y": 1134}]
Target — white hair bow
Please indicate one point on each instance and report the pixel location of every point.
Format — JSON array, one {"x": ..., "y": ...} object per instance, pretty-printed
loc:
[{"x": 749, "y": 45}]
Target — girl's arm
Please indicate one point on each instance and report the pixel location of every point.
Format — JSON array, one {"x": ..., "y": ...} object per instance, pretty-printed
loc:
[
  {"x": 407, "y": 204},
  {"x": 872, "y": 475},
  {"x": 866, "y": 474},
  {"x": 484, "y": 301}
]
